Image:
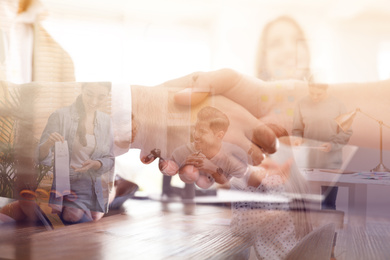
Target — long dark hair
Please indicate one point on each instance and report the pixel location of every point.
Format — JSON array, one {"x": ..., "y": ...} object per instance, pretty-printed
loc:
[{"x": 81, "y": 129}]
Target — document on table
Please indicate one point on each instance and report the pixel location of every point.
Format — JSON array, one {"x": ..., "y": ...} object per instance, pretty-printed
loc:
[
  {"x": 384, "y": 176},
  {"x": 61, "y": 167}
]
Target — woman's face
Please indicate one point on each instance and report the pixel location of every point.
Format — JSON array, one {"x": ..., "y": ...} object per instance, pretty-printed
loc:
[
  {"x": 286, "y": 52},
  {"x": 94, "y": 96}
]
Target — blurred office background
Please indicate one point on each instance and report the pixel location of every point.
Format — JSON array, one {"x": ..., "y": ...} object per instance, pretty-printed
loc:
[
  {"x": 151, "y": 41},
  {"x": 148, "y": 42}
]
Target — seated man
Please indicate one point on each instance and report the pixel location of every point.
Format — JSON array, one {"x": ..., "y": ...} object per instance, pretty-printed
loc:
[{"x": 208, "y": 158}]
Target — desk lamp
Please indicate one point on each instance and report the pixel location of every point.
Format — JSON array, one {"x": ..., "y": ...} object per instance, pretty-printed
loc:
[{"x": 345, "y": 121}]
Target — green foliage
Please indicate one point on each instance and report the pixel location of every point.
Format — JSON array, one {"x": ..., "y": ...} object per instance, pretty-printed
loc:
[
  {"x": 14, "y": 117},
  {"x": 8, "y": 176},
  {"x": 7, "y": 169}
]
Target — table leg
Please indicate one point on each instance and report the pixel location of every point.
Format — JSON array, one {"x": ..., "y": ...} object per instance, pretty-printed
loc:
[{"x": 357, "y": 204}]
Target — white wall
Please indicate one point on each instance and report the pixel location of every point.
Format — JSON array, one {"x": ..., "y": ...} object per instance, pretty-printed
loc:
[{"x": 147, "y": 42}]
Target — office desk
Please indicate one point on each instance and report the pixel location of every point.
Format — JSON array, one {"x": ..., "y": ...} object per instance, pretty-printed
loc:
[
  {"x": 148, "y": 230},
  {"x": 357, "y": 188},
  {"x": 154, "y": 230}
]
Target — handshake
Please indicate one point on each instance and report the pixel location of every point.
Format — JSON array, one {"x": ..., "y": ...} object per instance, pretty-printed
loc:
[{"x": 196, "y": 169}]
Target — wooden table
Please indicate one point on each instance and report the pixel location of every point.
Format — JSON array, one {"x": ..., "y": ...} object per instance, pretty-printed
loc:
[
  {"x": 154, "y": 230},
  {"x": 147, "y": 230},
  {"x": 370, "y": 241}
]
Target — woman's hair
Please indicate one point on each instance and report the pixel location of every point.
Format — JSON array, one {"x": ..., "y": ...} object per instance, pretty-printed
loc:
[
  {"x": 261, "y": 67},
  {"x": 81, "y": 129}
]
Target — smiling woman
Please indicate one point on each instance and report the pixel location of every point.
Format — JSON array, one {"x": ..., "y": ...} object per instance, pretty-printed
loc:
[
  {"x": 283, "y": 52},
  {"x": 87, "y": 133}
]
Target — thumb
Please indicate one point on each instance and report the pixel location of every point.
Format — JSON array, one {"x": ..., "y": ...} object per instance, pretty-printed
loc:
[
  {"x": 199, "y": 87},
  {"x": 190, "y": 96}
]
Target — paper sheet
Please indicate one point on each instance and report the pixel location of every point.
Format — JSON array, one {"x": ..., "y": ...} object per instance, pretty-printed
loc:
[{"x": 61, "y": 166}]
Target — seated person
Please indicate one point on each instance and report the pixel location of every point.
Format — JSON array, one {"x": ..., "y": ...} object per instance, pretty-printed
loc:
[
  {"x": 208, "y": 158},
  {"x": 88, "y": 135}
]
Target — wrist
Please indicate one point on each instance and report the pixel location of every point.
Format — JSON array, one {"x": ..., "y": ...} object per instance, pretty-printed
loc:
[
  {"x": 98, "y": 164},
  {"x": 48, "y": 145}
]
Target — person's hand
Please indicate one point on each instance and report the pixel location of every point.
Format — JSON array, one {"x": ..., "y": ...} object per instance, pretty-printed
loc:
[
  {"x": 195, "y": 159},
  {"x": 151, "y": 106},
  {"x": 243, "y": 106},
  {"x": 50, "y": 142},
  {"x": 326, "y": 147},
  {"x": 297, "y": 141},
  {"x": 165, "y": 112},
  {"x": 53, "y": 138},
  {"x": 168, "y": 167},
  {"x": 205, "y": 181},
  {"x": 189, "y": 173},
  {"x": 88, "y": 164},
  {"x": 207, "y": 166},
  {"x": 201, "y": 163}
]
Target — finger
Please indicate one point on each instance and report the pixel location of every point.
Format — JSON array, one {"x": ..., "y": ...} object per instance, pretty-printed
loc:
[
  {"x": 82, "y": 169},
  {"x": 87, "y": 162},
  {"x": 190, "y": 96},
  {"x": 147, "y": 158},
  {"x": 194, "y": 160},
  {"x": 264, "y": 138},
  {"x": 256, "y": 156},
  {"x": 189, "y": 174},
  {"x": 168, "y": 167},
  {"x": 57, "y": 137},
  {"x": 241, "y": 130},
  {"x": 190, "y": 161}
]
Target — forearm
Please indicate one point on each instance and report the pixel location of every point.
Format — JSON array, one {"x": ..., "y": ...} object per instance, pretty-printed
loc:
[
  {"x": 104, "y": 165},
  {"x": 43, "y": 151},
  {"x": 150, "y": 109},
  {"x": 255, "y": 95}
]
